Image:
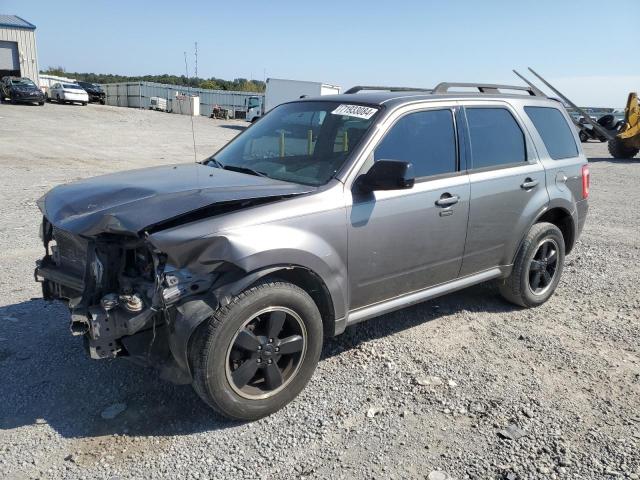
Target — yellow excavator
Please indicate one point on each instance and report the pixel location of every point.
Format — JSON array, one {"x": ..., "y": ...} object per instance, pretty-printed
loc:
[{"x": 624, "y": 142}]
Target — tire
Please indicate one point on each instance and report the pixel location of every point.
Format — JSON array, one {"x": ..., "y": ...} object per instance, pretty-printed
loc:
[
  {"x": 520, "y": 287},
  {"x": 584, "y": 138},
  {"x": 216, "y": 359},
  {"x": 618, "y": 149},
  {"x": 84, "y": 104},
  {"x": 41, "y": 103}
]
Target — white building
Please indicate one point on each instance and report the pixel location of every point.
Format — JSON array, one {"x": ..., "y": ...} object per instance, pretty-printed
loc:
[{"x": 18, "y": 53}]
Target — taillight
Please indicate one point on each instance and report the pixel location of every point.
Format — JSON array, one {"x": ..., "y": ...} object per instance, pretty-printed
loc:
[{"x": 586, "y": 181}]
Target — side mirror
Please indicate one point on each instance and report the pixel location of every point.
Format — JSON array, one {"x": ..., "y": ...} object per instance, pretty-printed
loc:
[{"x": 387, "y": 175}]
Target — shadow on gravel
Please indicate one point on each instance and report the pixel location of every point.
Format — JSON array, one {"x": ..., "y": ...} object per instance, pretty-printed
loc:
[
  {"x": 613, "y": 160},
  {"x": 46, "y": 376},
  {"x": 479, "y": 298}
]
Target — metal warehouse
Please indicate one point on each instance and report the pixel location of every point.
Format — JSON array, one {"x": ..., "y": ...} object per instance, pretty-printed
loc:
[
  {"x": 138, "y": 95},
  {"x": 18, "y": 53}
]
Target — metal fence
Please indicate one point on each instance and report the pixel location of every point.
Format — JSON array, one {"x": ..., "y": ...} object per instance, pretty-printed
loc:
[{"x": 137, "y": 95}]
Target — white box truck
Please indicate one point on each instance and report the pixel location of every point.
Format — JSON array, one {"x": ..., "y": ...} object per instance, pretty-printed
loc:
[{"x": 280, "y": 91}]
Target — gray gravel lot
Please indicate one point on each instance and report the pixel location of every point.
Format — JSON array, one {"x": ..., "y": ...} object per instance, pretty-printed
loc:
[{"x": 467, "y": 384}]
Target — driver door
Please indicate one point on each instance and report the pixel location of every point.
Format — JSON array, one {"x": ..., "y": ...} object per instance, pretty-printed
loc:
[{"x": 401, "y": 241}]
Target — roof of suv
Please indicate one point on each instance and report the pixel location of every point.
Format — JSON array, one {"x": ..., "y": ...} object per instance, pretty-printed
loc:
[{"x": 394, "y": 97}]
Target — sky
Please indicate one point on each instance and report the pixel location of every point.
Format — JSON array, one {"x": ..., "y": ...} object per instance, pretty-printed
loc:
[{"x": 346, "y": 43}]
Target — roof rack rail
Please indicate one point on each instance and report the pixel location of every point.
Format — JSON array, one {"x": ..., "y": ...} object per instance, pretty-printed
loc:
[
  {"x": 488, "y": 88},
  {"x": 359, "y": 88}
]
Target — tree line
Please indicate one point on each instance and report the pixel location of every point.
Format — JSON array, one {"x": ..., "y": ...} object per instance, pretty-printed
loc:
[{"x": 237, "y": 84}]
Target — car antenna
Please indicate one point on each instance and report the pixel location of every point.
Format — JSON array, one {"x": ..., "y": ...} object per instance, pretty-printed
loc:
[{"x": 193, "y": 133}]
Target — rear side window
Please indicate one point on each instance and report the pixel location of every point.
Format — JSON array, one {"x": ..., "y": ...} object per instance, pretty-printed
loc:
[
  {"x": 554, "y": 130},
  {"x": 496, "y": 137},
  {"x": 426, "y": 139}
]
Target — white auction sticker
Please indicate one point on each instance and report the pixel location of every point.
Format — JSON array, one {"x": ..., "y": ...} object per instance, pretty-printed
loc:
[{"x": 355, "y": 111}]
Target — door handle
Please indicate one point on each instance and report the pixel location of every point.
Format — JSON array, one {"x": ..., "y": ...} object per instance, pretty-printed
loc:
[
  {"x": 529, "y": 183},
  {"x": 446, "y": 200}
]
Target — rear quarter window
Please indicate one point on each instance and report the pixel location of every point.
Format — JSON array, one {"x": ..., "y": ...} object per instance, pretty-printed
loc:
[{"x": 554, "y": 130}]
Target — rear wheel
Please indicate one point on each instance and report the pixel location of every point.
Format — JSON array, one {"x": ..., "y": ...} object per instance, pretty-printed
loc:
[
  {"x": 618, "y": 149},
  {"x": 257, "y": 353},
  {"x": 538, "y": 267}
]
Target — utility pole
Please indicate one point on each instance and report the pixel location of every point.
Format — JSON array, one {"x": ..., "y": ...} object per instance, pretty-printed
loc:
[{"x": 196, "y": 59}]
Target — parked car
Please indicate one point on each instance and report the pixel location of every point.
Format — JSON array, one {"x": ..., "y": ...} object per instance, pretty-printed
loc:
[
  {"x": 20, "y": 90},
  {"x": 68, "y": 93},
  {"x": 229, "y": 273},
  {"x": 95, "y": 92}
]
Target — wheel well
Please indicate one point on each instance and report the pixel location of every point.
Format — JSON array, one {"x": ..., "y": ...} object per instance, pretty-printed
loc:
[
  {"x": 561, "y": 219},
  {"x": 315, "y": 287}
]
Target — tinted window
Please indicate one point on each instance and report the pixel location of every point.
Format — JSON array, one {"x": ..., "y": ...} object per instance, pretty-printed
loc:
[
  {"x": 496, "y": 138},
  {"x": 426, "y": 139},
  {"x": 554, "y": 130}
]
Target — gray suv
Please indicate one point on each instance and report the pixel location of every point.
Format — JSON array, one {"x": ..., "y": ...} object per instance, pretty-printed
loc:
[{"x": 229, "y": 273}]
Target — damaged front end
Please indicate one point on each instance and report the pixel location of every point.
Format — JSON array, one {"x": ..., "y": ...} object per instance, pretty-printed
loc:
[{"x": 122, "y": 294}]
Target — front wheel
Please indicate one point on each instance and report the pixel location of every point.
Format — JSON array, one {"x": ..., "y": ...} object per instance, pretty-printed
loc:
[
  {"x": 538, "y": 267},
  {"x": 618, "y": 148},
  {"x": 256, "y": 354}
]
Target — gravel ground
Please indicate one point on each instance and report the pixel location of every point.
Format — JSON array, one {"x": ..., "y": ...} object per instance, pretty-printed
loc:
[{"x": 465, "y": 386}]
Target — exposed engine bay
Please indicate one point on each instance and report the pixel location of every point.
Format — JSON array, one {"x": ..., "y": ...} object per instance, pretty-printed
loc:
[{"x": 115, "y": 287}]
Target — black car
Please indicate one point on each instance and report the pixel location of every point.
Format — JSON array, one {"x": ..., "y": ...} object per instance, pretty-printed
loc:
[
  {"x": 20, "y": 89},
  {"x": 96, "y": 94}
]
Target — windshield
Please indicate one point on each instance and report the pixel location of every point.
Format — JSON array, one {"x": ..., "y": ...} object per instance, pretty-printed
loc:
[
  {"x": 302, "y": 142},
  {"x": 23, "y": 81},
  {"x": 89, "y": 85},
  {"x": 72, "y": 86}
]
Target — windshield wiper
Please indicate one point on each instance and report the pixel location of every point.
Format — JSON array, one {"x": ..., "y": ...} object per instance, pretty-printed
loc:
[
  {"x": 250, "y": 171},
  {"x": 215, "y": 162},
  {"x": 236, "y": 168}
]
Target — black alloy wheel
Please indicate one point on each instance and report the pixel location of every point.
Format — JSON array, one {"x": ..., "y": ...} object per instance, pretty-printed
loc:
[
  {"x": 537, "y": 267},
  {"x": 256, "y": 354},
  {"x": 266, "y": 353},
  {"x": 543, "y": 266}
]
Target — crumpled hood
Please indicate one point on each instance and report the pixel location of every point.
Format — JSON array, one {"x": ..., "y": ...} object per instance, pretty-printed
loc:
[{"x": 129, "y": 202}]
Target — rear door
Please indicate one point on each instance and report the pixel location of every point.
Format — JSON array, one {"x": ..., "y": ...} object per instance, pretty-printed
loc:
[
  {"x": 402, "y": 241},
  {"x": 507, "y": 185}
]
